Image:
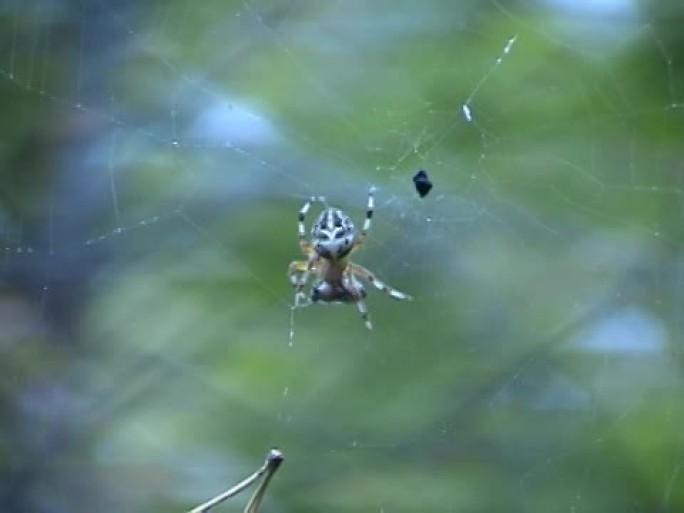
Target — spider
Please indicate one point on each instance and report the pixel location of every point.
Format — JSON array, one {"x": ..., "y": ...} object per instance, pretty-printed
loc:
[{"x": 333, "y": 239}]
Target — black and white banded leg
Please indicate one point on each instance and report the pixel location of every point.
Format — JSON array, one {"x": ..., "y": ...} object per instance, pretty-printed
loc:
[
  {"x": 361, "y": 305},
  {"x": 301, "y": 228},
  {"x": 300, "y": 297},
  {"x": 370, "y": 208},
  {"x": 299, "y": 273},
  {"x": 365, "y": 274}
]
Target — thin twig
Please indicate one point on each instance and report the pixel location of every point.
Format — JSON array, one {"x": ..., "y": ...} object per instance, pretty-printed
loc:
[{"x": 273, "y": 460}]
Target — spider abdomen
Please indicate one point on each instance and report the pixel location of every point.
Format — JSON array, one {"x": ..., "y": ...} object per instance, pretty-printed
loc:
[
  {"x": 337, "y": 292},
  {"x": 332, "y": 235}
]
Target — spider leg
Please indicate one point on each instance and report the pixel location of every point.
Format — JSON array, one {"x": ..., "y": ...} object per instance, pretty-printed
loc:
[
  {"x": 306, "y": 268},
  {"x": 361, "y": 305},
  {"x": 306, "y": 247},
  {"x": 304, "y": 244},
  {"x": 370, "y": 208},
  {"x": 357, "y": 293},
  {"x": 365, "y": 274},
  {"x": 297, "y": 266}
]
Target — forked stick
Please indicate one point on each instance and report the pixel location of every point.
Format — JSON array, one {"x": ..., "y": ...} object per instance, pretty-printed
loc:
[{"x": 273, "y": 460}]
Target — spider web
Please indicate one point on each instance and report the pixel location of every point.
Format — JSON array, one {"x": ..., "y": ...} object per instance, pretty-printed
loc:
[{"x": 155, "y": 157}]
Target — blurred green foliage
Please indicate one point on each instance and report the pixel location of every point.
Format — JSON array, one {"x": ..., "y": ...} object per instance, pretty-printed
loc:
[{"x": 144, "y": 310}]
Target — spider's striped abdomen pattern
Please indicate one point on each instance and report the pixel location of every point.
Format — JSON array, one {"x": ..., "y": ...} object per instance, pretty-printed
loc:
[{"x": 332, "y": 235}]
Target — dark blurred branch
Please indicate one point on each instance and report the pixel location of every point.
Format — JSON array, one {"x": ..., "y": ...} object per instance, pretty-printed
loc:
[{"x": 273, "y": 461}]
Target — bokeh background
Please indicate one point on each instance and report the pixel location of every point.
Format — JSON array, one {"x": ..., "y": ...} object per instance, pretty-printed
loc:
[{"x": 153, "y": 157}]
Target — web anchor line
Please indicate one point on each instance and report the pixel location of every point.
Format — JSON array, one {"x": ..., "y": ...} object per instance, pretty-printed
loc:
[{"x": 466, "y": 106}]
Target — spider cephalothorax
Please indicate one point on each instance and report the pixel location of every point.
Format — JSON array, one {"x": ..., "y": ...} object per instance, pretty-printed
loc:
[{"x": 333, "y": 239}]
